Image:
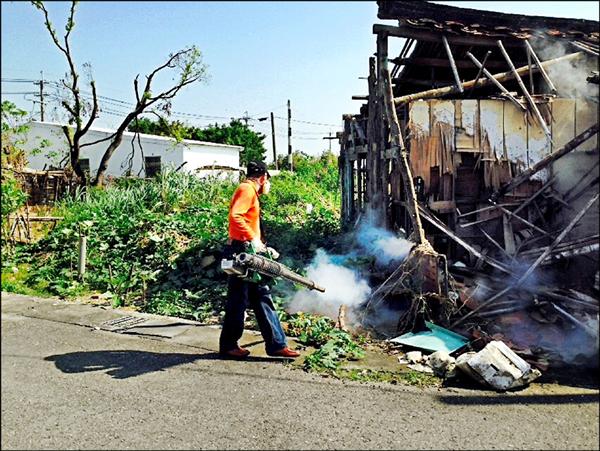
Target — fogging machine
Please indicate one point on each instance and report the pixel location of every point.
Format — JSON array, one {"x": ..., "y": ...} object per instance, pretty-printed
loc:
[{"x": 242, "y": 264}]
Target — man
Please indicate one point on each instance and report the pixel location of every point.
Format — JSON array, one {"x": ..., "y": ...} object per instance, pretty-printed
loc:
[{"x": 244, "y": 235}]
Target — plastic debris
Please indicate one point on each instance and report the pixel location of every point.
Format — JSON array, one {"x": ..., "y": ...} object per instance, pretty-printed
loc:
[{"x": 436, "y": 338}]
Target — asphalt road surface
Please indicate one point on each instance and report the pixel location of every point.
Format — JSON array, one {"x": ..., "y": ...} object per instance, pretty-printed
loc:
[{"x": 66, "y": 386}]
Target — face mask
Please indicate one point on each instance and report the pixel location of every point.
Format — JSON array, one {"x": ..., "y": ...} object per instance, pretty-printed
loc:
[{"x": 266, "y": 188}]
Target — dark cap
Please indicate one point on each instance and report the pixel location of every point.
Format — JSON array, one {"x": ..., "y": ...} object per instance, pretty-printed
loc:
[{"x": 257, "y": 169}]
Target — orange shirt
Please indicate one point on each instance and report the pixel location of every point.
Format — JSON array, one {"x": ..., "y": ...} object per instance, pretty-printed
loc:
[{"x": 244, "y": 209}]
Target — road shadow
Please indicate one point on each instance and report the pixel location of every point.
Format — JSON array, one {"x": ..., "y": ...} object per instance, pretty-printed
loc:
[
  {"x": 125, "y": 364},
  {"x": 519, "y": 399}
]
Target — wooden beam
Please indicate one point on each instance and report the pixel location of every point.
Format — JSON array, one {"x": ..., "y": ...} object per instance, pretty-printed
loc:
[
  {"x": 535, "y": 264},
  {"x": 441, "y": 62},
  {"x": 404, "y": 31},
  {"x": 525, "y": 175},
  {"x": 500, "y": 77}
]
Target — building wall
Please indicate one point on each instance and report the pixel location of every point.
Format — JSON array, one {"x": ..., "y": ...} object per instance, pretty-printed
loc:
[{"x": 172, "y": 153}]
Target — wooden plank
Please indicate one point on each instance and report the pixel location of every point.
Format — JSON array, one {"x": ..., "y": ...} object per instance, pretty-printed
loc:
[
  {"x": 586, "y": 115},
  {"x": 466, "y": 122},
  {"x": 515, "y": 136},
  {"x": 521, "y": 178},
  {"x": 563, "y": 122},
  {"x": 538, "y": 147},
  {"x": 441, "y": 62},
  {"x": 491, "y": 127}
]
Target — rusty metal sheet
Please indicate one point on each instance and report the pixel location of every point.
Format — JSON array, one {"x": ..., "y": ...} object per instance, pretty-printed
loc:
[
  {"x": 586, "y": 115},
  {"x": 515, "y": 135}
]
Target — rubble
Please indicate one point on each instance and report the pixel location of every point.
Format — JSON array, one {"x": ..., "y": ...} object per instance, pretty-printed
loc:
[{"x": 497, "y": 366}]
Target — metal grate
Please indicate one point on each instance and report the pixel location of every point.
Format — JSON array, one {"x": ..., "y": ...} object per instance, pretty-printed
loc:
[{"x": 123, "y": 323}]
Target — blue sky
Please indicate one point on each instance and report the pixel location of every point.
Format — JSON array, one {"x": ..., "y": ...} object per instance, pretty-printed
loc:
[{"x": 259, "y": 55}]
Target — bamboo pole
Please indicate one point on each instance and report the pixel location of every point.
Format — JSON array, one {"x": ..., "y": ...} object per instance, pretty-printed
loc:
[
  {"x": 496, "y": 82},
  {"x": 501, "y": 77},
  {"x": 540, "y": 67},
  {"x": 485, "y": 58},
  {"x": 459, "y": 85},
  {"x": 532, "y": 103}
]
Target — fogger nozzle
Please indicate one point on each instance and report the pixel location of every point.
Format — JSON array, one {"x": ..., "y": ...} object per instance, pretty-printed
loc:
[{"x": 271, "y": 268}]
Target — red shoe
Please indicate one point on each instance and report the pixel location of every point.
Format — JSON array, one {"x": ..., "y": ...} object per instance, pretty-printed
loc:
[
  {"x": 286, "y": 352},
  {"x": 237, "y": 353}
]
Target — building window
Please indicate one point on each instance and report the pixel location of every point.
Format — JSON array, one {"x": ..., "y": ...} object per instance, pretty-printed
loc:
[
  {"x": 84, "y": 164},
  {"x": 152, "y": 166}
]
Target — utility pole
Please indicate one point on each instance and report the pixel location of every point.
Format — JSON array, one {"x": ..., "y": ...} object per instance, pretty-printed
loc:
[
  {"x": 273, "y": 138},
  {"x": 245, "y": 118},
  {"x": 289, "y": 135},
  {"x": 330, "y": 138},
  {"x": 42, "y": 96}
]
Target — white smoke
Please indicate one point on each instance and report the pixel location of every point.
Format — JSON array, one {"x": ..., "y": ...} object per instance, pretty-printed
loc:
[
  {"x": 569, "y": 77},
  {"x": 382, "y": 244},
  {"x": 342, "y": 286}
]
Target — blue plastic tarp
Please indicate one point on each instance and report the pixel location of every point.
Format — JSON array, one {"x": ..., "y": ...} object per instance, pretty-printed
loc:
[{"x": 435, "y": 339}]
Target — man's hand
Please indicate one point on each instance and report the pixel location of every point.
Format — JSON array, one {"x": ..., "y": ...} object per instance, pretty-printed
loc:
[
  {"x": 259, "y": 246},
  {"x": 272, "y": 253}
]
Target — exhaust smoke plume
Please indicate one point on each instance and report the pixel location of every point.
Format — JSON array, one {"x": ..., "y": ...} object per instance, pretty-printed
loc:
[{"x": 342, "y": 284}]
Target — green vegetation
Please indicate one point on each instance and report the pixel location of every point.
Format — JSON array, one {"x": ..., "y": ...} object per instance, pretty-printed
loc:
[
  {"x": 236, "y": 134},
  {"x": 334, "y": 345}
]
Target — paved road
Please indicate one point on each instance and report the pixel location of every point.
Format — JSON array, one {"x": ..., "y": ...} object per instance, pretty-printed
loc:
[{"x": 70, "y": 386}]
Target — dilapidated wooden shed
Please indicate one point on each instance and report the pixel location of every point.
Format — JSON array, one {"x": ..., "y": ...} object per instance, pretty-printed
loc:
[{"x": 482, "y": 131}]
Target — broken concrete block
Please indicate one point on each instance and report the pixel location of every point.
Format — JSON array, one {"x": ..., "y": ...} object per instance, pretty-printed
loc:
[
  {"x": 442, "y": 363},
  {"x": 498, "y": 366},
  {"x": 414, "y": 356}
]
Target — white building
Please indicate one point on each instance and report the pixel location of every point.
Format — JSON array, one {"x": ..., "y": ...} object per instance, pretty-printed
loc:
[{"x": 139, "y": 155}]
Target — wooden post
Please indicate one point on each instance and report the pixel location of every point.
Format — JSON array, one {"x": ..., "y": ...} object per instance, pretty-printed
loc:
[
  {"x": 534, "y": 107},
  {"x": 459, "y": 85},
  {"x": 371, "y": 135},
  {"x": 290, "y": 159},
  {"x": 399, "y": 149},
  {"x": 381, "y": 202},
  {"x": 82, "y": 256},
  {"x": 273, "y": 140}
]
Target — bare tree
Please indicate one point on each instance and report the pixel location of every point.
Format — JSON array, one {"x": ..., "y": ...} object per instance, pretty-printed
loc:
[{"x": 187, "y": 62}]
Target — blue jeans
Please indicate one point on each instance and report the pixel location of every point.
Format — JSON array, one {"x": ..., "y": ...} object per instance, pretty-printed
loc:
[{"x": 240, "y": 295}]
